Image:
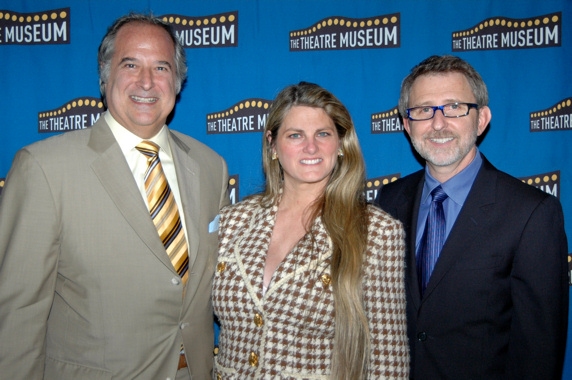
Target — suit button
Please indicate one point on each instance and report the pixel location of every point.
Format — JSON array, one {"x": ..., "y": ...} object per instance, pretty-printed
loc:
[
  {"x": 422, "y": 336},
  {"x": 253, "y": 359},
  {"x": 326, "y": 279},
  {"x": 258, "y": 320},
  {"x": 221, "y": 267},
  {"x": 183, "y": 325},
  {"x": 218, "y": 376},
  {"x": 175, "y": 281}
]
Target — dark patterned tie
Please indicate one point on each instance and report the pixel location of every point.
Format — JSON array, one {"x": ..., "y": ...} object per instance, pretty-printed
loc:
[
  {"x": 164, "y": 211},
  {"x": 433, "y": 238}
]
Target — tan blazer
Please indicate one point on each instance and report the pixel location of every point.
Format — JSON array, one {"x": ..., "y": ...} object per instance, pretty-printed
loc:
[{"x": 87, "y": 290}]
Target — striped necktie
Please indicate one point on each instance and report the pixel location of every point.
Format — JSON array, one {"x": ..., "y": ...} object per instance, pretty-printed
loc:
[
  {"x": 433, "y": 238},
  {"x": 163, "y": 209}
]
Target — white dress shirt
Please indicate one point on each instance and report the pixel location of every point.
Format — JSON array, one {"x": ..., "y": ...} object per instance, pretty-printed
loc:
[{"x": 138, "y": 162}]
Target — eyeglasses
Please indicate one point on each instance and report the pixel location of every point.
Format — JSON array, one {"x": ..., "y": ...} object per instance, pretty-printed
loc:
[{"x": 449, "y": 110}]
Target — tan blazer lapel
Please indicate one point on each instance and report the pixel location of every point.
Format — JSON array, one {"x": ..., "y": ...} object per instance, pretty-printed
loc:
[
  {"x": 188, "y": 172},
  {"x": 121, "y": 187}
]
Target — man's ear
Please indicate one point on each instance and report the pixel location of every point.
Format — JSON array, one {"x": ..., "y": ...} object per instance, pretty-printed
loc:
[
  {"x": 406, "y": 126},
  {"x": 485, "y": 117}
]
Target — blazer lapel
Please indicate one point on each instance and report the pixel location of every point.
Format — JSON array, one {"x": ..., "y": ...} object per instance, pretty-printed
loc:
[
  {"x": 188, "y": 172},
  {"x": 469, "y": 225},
  {"x": 407, "y": 212},
  {"x": 115, "y": 176},
  {"x": 250, "y": 250},
  {"x": 310, "y": 252}
]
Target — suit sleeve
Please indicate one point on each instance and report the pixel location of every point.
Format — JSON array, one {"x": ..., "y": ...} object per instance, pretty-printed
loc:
[
  {"x": 224, "y": 196},
  {"x": 378, "y": 201},
  {"x": 28, "y": 267},
  {"x": 385, "y": 200},
  {"x": 384, "y": 299},
  {"x": 539, "y": 289}
]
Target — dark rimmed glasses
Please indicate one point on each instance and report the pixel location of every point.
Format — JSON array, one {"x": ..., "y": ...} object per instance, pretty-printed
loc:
[{"x": 449, "y": 110}]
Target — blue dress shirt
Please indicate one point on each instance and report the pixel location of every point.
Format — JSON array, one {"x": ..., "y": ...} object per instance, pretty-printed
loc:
[{"x": 457, "y": 189}]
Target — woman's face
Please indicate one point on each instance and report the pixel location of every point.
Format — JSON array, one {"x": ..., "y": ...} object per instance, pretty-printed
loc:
[{"x": 307, "y": 146}]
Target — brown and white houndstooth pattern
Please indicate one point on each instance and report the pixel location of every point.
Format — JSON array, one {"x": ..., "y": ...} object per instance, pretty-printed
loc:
[{"x": 288, "y": 332}]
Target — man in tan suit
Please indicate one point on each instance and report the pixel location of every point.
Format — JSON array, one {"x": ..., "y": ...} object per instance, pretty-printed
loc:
[{"x": 87, "y": 287}]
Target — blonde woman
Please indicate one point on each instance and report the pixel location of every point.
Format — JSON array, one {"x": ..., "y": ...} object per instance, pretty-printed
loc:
[{"x": 309, "y": 280}]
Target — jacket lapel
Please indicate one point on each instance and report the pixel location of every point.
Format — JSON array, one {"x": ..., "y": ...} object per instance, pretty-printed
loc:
[
  {"x": 250, "y": 249},
  {"x": 115, "y": 176},
  {"x": 188, "y": 172},
  {"x": 252, "y": 246},
  {"x": 409, "y": 218},
  {"x": 470, "y": 224},
  {"x": 309, "y": 253}
]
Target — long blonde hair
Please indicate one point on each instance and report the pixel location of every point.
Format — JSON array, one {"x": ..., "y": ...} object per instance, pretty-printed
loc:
[{"x": 344, "y": 214}]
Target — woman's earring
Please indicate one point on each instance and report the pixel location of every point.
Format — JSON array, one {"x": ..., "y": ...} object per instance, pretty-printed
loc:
[
  {"x": 274, "y": 155},
  {"x": 340, "y": 152}
]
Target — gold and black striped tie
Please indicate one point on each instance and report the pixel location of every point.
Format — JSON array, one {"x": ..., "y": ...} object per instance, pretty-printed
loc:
[{"x": 163, "y": 209}]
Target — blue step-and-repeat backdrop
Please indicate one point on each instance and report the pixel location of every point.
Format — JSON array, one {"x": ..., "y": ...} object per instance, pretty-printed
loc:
[{"x": 242, "y": 52}]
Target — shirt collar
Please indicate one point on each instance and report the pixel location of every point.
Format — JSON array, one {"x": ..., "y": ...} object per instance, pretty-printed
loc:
[
  {"x": 457, "y": 187},
  {"x": 128, "y": 140}
]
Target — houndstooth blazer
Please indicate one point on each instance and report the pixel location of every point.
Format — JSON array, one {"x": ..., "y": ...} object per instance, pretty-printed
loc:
[{"x": 287, "y": 333}]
